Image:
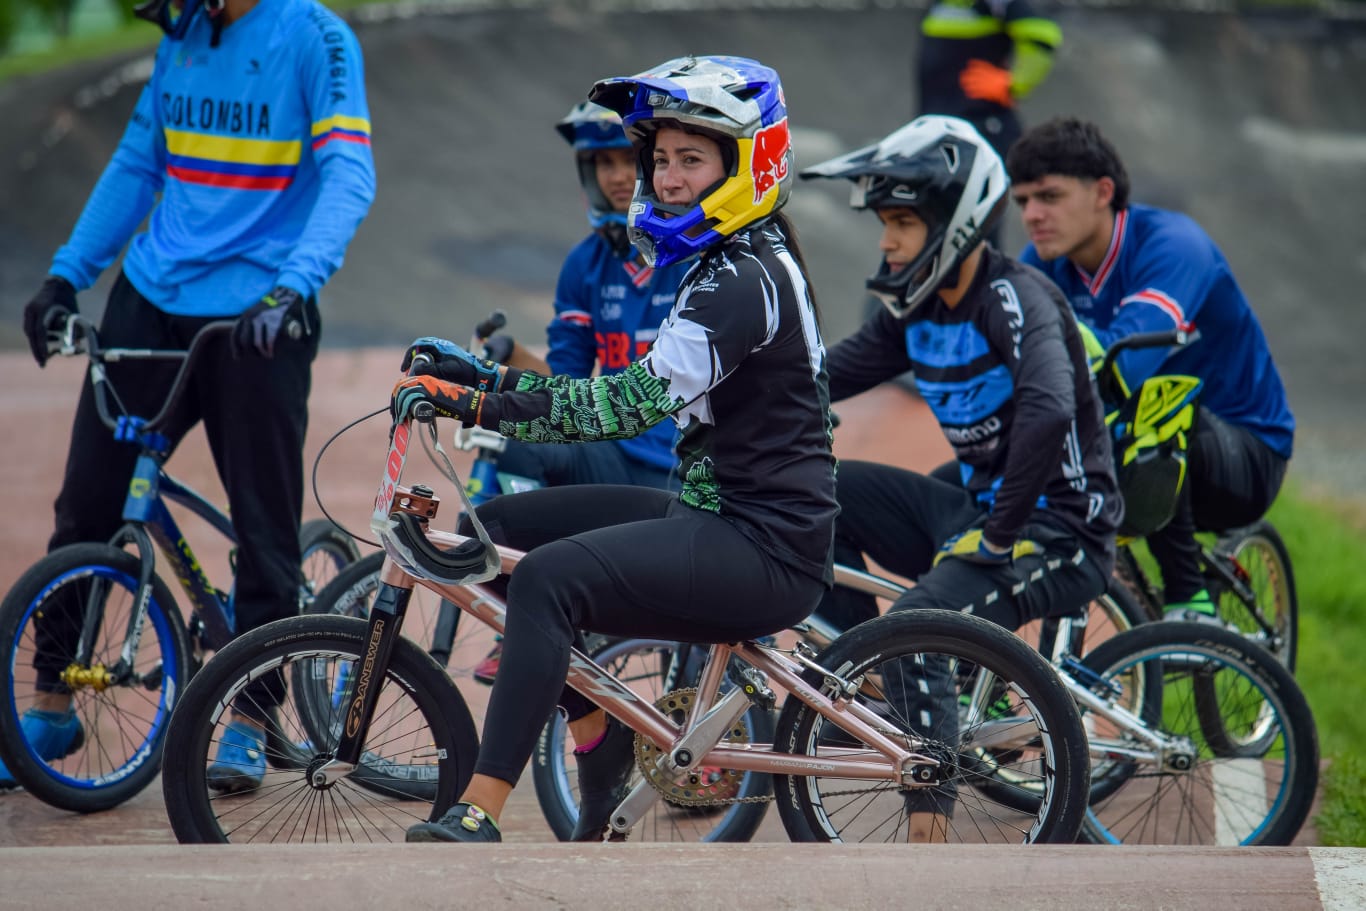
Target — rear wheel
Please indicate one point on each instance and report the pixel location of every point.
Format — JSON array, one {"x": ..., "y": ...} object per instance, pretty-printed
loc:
[
  {"x": 421, "y": 729},
  {"x": 122, "y": 706},
  {"x": 968, "y": 694}
]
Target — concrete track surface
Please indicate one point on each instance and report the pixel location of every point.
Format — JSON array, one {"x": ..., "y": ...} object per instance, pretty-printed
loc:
[{"x": 693, "y": 877}]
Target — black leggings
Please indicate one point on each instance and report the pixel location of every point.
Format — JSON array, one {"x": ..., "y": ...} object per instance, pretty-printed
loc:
[{"x": 625, "y": 561}]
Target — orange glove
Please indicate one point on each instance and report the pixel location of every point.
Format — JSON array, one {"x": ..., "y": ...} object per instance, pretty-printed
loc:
[
  {"x": 449, "y": 400},
  {"x": 986, "y": 82}
]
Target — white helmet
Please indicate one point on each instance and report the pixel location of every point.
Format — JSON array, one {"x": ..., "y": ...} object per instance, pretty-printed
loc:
[{"x": 943, "y": 169}]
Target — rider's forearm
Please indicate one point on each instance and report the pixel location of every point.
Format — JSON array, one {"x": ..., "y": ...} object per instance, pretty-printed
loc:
[{"x": 541, "y": 409}]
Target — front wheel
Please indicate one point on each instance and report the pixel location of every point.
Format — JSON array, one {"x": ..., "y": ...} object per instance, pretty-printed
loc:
[
  {"x": 968, "y": 694},
  {"x": 708, "y": 804},
  {"x": 122, "y": 699},
  {"x": 1200, "y": 788},
  {"x": 420, "y": 728}
]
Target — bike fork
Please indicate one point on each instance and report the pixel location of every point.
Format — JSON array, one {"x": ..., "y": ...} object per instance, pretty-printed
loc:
[{"x": 362, "y": 691}]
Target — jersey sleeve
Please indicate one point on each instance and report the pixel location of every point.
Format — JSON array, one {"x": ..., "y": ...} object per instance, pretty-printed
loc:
[
  {"x": 1025, "y": 326},
  {"x": 874, "y": 354},
  {"x": 1166, "y": 289},
  {"x": 573, "y": 348},
  {"x": 124, "y": 194},
  {"x": 332, "y": 75},
  {"x": 713, "y": 328}
]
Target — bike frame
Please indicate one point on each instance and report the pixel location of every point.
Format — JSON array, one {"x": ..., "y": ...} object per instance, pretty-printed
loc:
[
  {"x": 145, "y": 514},
  {"x": 697, "y": 741}
]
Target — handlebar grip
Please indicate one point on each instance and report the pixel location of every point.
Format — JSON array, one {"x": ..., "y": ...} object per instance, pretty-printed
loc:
[
  {"x": 424, "y": 411},
  {"x": 497, "y": 320},
  {"x": 424, "y": 360}
]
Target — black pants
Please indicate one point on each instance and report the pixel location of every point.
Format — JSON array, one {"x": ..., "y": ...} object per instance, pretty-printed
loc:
[
  {"x": 900, "y": 519},
  {"x": 255, "y": 413},
  {"x": 1232, "y": 478},
  {"x": 625, "y": 561}
]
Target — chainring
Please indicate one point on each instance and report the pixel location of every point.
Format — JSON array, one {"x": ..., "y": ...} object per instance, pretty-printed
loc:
[{"x": 704, "y": 786}]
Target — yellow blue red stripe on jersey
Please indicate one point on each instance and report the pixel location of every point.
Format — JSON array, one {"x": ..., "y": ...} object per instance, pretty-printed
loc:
[
  {"x": 342, "y": 128},
  {"x": 222, "y": 161}
]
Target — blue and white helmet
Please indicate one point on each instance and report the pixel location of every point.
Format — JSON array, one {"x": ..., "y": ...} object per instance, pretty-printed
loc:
[
  {"x": 589, "y": 127},
  {"x": 734, "y": 100}
]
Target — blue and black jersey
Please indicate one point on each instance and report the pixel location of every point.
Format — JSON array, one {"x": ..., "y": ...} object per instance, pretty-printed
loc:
[
  {"x": 1160, "y": 272},
  {"x": 1006, "y": 375},
  {"x": 608, "y": 310},
  {"x": 260, "y": 151}
]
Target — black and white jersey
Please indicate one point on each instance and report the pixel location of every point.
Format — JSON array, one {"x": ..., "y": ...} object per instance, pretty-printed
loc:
[
  {"x": 1006, "y": 375},
  {"x": 740, "y": 365}
]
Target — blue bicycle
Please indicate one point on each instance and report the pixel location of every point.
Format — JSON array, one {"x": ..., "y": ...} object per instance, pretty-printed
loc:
[{"x": 100, "y": 618}]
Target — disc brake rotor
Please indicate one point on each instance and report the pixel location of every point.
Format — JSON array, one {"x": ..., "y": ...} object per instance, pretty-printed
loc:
[{"x": 704, "y": 785}]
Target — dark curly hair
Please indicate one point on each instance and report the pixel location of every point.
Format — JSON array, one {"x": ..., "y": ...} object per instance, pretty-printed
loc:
[{"x": 1068, "y": 147}]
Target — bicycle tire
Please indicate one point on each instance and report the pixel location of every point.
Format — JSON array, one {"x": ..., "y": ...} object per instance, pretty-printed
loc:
[
  {"x": 644, "y": 665},
  {"x": 420, "y": 720},
  {"x": 1222, "y": 798},
  {"x": 1260, "y": 553},
  {"x": 924, "y": 646},
  {"x": 324, "y": 550},
  {"x": 124, "y": 720}
]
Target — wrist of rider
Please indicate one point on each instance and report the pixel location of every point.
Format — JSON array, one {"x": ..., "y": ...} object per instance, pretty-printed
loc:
[{"x": 994, "y": 550}]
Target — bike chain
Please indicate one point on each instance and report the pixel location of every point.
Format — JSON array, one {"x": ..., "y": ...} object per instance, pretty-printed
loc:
[{"x": 680, "y": 701}]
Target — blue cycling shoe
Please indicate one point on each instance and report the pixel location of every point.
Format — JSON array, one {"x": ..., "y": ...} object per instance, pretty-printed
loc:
[
  {"x": 52, "y": 736},
  {"x": 241, "y": 761}
]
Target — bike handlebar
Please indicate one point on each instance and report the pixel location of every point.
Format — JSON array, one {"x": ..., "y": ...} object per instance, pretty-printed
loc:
[
  {"x": 1163, "y": 339},
  {"x": 79, "y": 336},
  {"x": 496, "y": 320}
]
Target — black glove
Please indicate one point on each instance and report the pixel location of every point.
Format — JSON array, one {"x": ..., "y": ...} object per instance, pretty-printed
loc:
[
  {"x": 450, "y": 362},
  {"x": 259, "y": 327},
  {"x": 47, "y": 312}
]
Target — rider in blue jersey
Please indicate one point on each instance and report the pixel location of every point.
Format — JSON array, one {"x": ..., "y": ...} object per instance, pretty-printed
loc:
[
  {"x": 1128, "y": 268},
  {"x": 609, "y": 305},
  {"x": 248, "y": 154}
]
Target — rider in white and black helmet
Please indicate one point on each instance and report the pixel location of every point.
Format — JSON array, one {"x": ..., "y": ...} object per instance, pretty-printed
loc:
[{"x": 1026, "y": 527}]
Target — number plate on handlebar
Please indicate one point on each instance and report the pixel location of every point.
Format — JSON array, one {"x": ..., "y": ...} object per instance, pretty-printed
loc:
[{"x": 393, "y": 470}]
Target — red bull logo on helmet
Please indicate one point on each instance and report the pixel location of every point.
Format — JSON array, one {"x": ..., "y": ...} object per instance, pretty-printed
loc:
[{"x": 768, "y": 160}]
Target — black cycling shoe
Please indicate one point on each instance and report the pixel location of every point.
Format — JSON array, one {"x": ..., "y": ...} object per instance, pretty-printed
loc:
[
  {"x": 604, "y": 773},
  {"x": 462, "y": 822}
]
